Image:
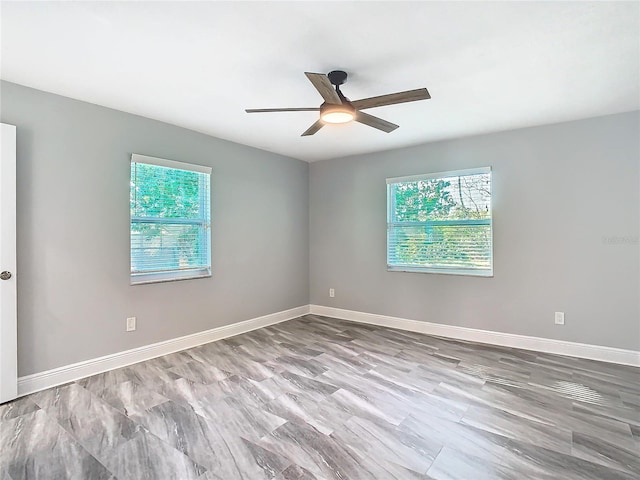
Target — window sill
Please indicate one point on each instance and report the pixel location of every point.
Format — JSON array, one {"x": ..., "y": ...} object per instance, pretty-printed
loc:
[
  {"x": 442, "y": 271},
  {"x": 161, "y": 277}
]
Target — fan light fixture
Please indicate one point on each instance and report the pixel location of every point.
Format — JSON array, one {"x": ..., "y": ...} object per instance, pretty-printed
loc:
[{"x": 330, "y": 113}]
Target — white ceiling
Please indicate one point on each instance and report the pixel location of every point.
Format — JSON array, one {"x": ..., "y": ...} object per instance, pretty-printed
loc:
[{"x": 489, "y": 66}]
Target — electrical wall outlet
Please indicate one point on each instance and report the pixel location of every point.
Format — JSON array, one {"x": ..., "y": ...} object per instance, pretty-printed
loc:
[
  {"x": 559, "y": 318},
  {"x": 332, "y": 292},
  {"x": 131, "y": 324}
]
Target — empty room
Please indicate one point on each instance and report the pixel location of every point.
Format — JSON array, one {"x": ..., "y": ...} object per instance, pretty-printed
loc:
[{"x": 319, "y": 240}]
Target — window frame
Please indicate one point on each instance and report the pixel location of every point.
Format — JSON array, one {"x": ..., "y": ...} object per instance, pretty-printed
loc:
[
  {"x": 141, "y": 278},
  {"x": 474, "y": 272}
]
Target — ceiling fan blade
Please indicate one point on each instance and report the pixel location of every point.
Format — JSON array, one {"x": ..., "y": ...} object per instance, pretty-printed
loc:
[
  {"x": 392, "y": 99},
  {"x": 324, "y": 87},
  {"x": 267, "y": 110},
  {"x": 375, "y": 122},
  {"x": 313, "y": 128}
]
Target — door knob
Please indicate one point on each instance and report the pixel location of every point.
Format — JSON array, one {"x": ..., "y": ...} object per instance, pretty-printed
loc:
[{"x": 5, "y": 275}]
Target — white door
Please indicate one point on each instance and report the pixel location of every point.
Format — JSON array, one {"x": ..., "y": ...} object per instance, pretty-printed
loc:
[{"x": 8, "y": 290}]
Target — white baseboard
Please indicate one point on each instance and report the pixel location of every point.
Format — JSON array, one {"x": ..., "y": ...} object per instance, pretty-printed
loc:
[
  {"x": 546, "y": 345},
  {"x": 68, "y": 373}
]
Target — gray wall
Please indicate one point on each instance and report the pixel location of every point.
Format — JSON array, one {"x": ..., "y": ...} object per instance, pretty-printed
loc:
[
  {"x": 566, "y": 226},
  {"x": 73, "y": 232}
]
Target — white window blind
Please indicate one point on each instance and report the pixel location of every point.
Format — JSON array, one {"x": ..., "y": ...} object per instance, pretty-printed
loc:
[
  {"x": 170, "y": 220},
  {"x": 441, "y": 223}
]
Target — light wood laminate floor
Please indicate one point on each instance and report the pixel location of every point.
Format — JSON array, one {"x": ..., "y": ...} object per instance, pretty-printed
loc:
[{"x": 320, "y": 398}]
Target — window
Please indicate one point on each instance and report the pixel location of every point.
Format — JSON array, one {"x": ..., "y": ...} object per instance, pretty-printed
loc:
[
  {"x": 170, "y": 220},
  {"x": 441, "y": 223}
]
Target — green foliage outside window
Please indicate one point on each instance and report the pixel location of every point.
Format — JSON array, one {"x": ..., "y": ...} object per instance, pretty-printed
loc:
[
  {"x": 441, "y": 223},
  {"x": 169, "y": 218}
]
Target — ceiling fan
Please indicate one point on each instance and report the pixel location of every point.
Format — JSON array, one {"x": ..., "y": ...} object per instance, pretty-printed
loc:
[{"x": 339, "y": 109}]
